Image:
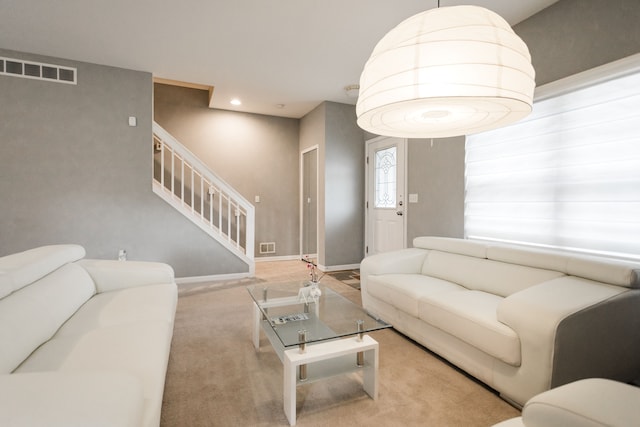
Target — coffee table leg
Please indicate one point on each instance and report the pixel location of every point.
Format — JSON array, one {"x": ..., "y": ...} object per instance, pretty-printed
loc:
[
  {"x": 290, "y": 391},
  {"x": 370, "y": 373},
  {"x": 302, "y": 339},
  {"x": 360, "y": 354},
  {"x": 257, "y": 318}
]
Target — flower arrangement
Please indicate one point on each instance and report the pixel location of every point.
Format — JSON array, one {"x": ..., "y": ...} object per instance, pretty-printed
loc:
[
  {"x": 312, "y": 267},
  {"x": 311, "y": 291}
]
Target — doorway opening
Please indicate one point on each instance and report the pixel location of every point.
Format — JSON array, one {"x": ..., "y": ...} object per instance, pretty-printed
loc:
[{"x": 309, "y": 203}]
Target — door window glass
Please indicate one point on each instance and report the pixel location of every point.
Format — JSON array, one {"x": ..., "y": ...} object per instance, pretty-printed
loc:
[{"x": 385, "y": 177}]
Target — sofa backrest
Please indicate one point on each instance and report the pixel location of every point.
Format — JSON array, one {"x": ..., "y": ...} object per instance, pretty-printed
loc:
[
  {"x": 600, "y": 269},
  {"x": 23, "y": 268},
  {"x": 504, "y": 269},
  {"x": 39, "y": 290},
  {"x": 498, "y": 278}
]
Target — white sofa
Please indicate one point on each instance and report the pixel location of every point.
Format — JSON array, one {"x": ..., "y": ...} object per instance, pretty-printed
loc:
[
  {"x": 588, "y": 402},
  {"x": 83, "y": 342},
  {"x": 521, "y": 320}
]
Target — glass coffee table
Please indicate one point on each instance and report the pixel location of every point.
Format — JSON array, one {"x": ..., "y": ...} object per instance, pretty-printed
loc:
[{"x": 317, "y": 333}]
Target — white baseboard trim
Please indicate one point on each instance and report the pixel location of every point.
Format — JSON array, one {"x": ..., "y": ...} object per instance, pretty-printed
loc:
[
  {"x": 331, "y": 268},
  {"x": 277, "y": 258},
  {"x": 246, "y": 275},
  {"x": 213, "y": 278}
]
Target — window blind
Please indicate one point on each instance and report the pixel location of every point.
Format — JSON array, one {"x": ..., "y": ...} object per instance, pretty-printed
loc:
[{"x": 568, "y": 176}]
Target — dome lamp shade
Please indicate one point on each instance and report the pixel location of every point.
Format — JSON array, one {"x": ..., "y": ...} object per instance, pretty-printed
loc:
[{"x": 446, "y": 72}]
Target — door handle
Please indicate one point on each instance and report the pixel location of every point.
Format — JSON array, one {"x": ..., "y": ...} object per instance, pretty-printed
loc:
[{"x": 399, "y": 213}]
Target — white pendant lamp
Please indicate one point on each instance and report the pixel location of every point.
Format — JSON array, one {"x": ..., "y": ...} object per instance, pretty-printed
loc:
[{"x": 446, "y": 72}]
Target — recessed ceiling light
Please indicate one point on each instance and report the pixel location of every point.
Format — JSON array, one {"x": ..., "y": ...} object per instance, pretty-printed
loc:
[{"x": 236, "y": 101}]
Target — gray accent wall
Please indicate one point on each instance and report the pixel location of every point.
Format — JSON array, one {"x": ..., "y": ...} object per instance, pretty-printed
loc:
[
  {"x": 256, "y": 154},
  {"x": 344, "y": 186},
  {"x": 436, "y": 175},
  {"x": 571, "y": 36},
  {"x": 73, "y": 171}
]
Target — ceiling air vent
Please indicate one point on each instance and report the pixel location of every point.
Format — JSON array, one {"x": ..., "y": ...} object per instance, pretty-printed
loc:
[{"x": 37, "y": 70}]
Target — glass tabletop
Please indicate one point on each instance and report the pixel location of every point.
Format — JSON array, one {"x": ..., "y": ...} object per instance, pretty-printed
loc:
[{"x": 298, "y": 315}]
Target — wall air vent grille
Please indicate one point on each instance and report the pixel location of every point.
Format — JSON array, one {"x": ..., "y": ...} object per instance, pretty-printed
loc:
[
  {"x": 267, "y": 247},
  {"x": 38, "y": 71}
]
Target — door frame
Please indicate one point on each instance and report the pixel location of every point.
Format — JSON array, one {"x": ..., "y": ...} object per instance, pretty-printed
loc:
[
  {"x": 367, "y": 224},
  {"x": 301, "y": 185}
]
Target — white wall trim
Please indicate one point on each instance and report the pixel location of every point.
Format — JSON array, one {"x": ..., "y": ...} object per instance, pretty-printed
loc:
[
  {"x": 213, "y": 277},
  {"x": 277, "y": 258},
  {"x": 332, "y": 268},
  {"x": 246, "y": 275}
]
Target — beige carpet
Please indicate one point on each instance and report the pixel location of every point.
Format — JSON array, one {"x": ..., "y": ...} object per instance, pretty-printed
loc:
[{"x": 216, "y": 378}]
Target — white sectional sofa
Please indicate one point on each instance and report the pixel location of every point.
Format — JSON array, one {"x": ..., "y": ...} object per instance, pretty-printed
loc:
[
  {"x": 83, "y": 342},
  {"x": 588, "y": 402},
  {"x": 521, "y": 320}
]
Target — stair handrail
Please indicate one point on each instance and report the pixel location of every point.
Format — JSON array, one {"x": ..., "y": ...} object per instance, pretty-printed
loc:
[{"x": 222, "y": 186}]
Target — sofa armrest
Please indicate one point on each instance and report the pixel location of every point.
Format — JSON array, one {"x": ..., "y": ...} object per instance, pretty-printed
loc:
[
  {"x": 59, "y": 399},
  {"x": 401, "y": 261},
  {"x": 540, "y": 308},
  {"x": 572, "y": 328},
  {"x": 110, "y": 275},
  {"x": 593, "y": 401}
]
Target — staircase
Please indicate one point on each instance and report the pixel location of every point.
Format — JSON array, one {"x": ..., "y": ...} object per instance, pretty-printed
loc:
[{"x": 188, "y": 185}]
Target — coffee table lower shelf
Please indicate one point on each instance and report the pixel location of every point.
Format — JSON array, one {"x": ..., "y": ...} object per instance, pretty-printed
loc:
[{"x": 322, "y": 360}]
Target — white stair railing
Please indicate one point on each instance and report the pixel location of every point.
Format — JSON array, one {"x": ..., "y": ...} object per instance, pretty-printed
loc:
[{"x": 183, "y": 181}]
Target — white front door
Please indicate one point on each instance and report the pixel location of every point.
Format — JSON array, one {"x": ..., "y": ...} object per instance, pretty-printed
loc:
[{"x": 385, "y": 205}]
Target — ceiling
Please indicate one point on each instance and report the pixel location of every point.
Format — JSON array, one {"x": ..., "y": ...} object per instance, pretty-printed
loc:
[{"x": 279, "y": 57}]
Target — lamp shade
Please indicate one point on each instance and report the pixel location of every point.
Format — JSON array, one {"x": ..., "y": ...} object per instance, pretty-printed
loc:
[{"x": 446, "y": 72}]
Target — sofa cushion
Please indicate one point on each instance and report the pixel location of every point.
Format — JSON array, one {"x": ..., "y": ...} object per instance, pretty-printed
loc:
[
  {"x": 20, "y": 269},
  {"x": 404, "y": 291},
  {"x": 471, "y": 317},
  {"x": 485, "y": 275},
  {"x": 140, "y": 349},
  {"x": 33, "y": 314},
  {"x": 143, "y": 303},
  {"x": 55, "y": 399}
]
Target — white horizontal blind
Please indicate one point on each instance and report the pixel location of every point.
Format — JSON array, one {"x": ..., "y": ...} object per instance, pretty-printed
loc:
[{"x": 568, "y": 176}]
